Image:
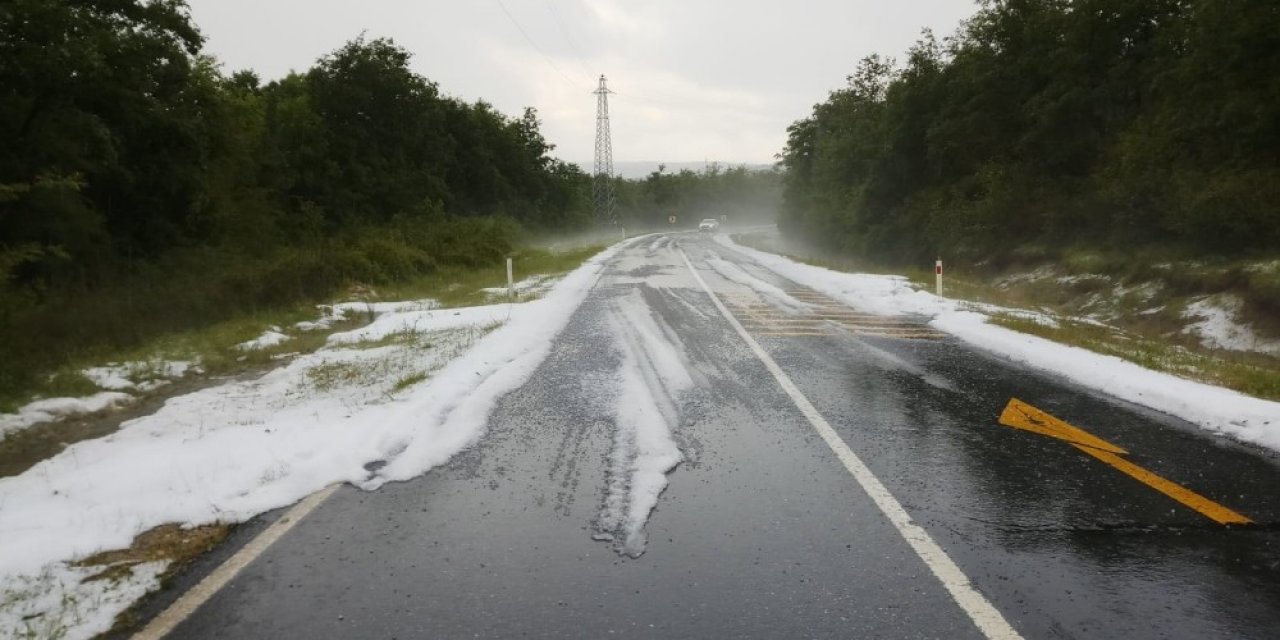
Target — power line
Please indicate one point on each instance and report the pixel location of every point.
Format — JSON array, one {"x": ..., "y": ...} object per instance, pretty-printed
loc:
[
  {"x": 533, "y": 44},
  {"x": 564, "y": 31}
]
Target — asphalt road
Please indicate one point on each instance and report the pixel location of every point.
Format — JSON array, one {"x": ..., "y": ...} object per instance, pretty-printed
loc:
[{"x": 763, "y": 531}]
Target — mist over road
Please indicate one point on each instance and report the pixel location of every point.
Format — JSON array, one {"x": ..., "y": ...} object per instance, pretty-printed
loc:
[{"x": 711, "y": 450}]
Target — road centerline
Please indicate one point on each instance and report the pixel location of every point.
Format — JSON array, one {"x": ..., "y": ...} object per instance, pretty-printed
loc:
[{"x": 984, "y": 615}]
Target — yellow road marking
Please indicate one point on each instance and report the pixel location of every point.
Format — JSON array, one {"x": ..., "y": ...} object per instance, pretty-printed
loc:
[
  {"x": 1205, "y": 506},
  {"x": 827, "y": 314},
  {"x": 1020, "y": 415},
  {"x": 908, "y": 331},
  {"x": 887, "y": 325},
  {"x": 903, "y": 336}
]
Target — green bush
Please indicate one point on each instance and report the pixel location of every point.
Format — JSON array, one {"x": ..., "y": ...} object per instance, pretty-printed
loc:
[{"x": 1264, "y": 287}]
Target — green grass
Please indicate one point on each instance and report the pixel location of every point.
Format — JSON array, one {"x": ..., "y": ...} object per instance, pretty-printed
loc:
[
  {"x": 1253, "y": 374},
  {"x": 331, "y": 375},
  {"x": 408, "y": 381},
  {"x": 398, "y": 338},
  {"x": 398, "y": 365},
  {"x": 67, "y": 321},
  {"x": 69, "y": 384},
  {"x": 212, "y": 344},
  {"x": 462, "y": 287}
]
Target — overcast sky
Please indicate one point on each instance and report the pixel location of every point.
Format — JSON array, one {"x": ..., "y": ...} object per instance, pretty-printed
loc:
[{"x": 695, "y": 79}]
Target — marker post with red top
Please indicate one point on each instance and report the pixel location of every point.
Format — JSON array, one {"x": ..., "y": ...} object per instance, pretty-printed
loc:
[{"x": 937, "y": 271}]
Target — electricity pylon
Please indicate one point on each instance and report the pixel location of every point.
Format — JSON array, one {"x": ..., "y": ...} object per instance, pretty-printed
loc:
[{"x": 602, "y": 182}]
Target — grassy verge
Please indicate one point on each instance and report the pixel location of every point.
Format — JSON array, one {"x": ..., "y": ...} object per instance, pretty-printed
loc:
[
  {"x": 1254, "y": 374},
  {"x": 1134, "y": 306},
  {"x": 211, "y": 342},
  {"x": 461, "y": 287},
  {"x": 61, "y": 322},
  {"x": 214, "y": 347}
]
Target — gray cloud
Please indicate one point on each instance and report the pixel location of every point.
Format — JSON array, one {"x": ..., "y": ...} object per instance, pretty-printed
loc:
[{"x": 696, "y": 79}]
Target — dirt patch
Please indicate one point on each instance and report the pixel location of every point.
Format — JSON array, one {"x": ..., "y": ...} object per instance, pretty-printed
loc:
[
  {"x": 169, "y": 542},
  {"x": 166, "y": 542}
]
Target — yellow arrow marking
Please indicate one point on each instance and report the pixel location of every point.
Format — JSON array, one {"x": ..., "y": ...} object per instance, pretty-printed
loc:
[
  {"x": 1205, "y": 506},
  {"x": 1020, "y": 415}
]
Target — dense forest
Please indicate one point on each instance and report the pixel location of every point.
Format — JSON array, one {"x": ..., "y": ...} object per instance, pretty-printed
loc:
[
  {"x": 142, "y": 189},
  {"x": 1043, "y": 124}
]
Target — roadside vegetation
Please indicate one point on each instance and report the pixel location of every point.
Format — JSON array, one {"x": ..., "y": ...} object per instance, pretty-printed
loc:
[
  {"x": 1251, "y": 373},
  {"x": 216, "y": 347},
  {"x": 157, "y": 198},
  {"x": 1111, "y": 161},
  {"x": 465, "y": 286},
  {"x": 1134, "y": 131},
  {"x": 1104, "y": 304}
]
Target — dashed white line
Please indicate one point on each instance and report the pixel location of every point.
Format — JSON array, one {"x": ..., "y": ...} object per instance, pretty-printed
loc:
[{"x": 988, "y": 619}]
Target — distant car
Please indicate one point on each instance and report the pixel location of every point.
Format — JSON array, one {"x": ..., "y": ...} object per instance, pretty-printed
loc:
[{"x": 710, "y": 224}]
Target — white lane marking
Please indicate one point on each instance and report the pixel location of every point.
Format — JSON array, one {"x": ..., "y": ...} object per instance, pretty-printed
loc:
[
  {"x": 988, "y": 619},
  {"x": 183, "y": 607}
]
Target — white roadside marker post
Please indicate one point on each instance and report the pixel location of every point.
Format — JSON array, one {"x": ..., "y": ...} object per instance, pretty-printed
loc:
[
  {"x": 937, "y": 271},
  {"x": 511, "y": 283}
]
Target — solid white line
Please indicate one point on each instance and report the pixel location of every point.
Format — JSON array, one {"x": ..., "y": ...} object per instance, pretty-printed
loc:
[
  {"x": 988, "y": 619},
  {"x": 183, "y": 607}
]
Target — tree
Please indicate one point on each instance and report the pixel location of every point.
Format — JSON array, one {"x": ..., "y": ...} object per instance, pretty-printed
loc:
[
  {"x": 1052, "y": 122},
  {"x": 100, "y": 120},
  {"x": 384, "y": 133}
]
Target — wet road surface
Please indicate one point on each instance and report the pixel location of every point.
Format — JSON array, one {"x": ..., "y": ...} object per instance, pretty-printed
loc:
[{"x": 761, "y": 530}]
